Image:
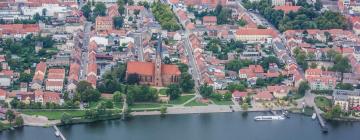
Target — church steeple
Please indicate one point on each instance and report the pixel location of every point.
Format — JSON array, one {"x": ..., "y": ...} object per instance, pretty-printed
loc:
[{"x": 158, "y": 80}]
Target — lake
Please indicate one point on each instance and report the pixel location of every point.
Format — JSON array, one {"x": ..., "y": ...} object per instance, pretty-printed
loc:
[{"x": 216, "y": 126}]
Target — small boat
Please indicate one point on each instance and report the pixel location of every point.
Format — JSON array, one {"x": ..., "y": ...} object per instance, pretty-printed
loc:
[
  {"x": 57, "y": 133},
  {"x": 313, "y": 116},
  {"x": 268, "y": 118}
]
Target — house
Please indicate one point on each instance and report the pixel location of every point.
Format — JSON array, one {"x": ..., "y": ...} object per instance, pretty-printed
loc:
[
  {"x": 39, "y": 75},
  {"x": 18, "y": 30},
  {"x": 55, "y": 80},
  {"x": 278, "y": 2},
  {"x": 263, "y": 96},
  {"x": 251, "y": 72},
  {"x": 279, "y": 91},
  {"x": 321, "y": 80},
  {"x": 287, "y": 8},
  {"x": 23, "y": 86},
  {"x": 346, "y": 99},
  {"x": 103, "y": 23},
  {"x": 5, "y": 81},
  {"x": 239, "y": 96},
  {"x": 209, "y": 20},
  {"x": 3, "y": 94},
  {"x": 254, "y": 34},
  {"x": 47, "y": 97}
]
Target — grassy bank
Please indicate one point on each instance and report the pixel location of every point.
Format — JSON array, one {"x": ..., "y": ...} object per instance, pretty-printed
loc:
[
  {"x": 55, "y": 114},
  {"x": 195, "y": 103},
  {"x": 181, "y": 99}
]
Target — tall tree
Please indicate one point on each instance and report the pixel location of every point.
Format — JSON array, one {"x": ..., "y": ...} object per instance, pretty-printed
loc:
[
  {"x": 206, "y": 90},
  {"x": 10, "y": 116},
  {"x": 186, "y": 82},
  {"x": 173, "y": 90},
  {"x": 118, "y": 22},
  {"x": 100, "y": 9}
]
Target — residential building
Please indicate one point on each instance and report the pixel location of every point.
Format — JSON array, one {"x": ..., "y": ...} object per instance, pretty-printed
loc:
[
  {"x": 346, "y": 99},
  {"x": 39, "y": 76},
  {"x": 209, "y": 20},
  {"x": 278, "y": 2},
  {"x": 254, "y": 34},
  {"x": 18, "y": 30},
  {"x": 103, "y": 23}
]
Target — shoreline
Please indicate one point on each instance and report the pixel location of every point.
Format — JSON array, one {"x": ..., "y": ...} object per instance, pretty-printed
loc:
[{"x": 170, "y": 111}]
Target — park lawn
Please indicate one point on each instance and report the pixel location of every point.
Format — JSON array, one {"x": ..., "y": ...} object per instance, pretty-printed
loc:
[
  {"x": 148, "y": 105},
  {"x": 162, "y": 91},
  {"x": 217, "y": 102},
  {"x": 56, "y": 115},
  {"x": 195, "y": 103},
  {"x": 323, "y": 103},
  {"x": 181, "y": 99}
]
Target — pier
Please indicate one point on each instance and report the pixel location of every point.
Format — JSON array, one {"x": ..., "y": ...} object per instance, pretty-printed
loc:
[
  {"x": 60, "y": 134},
  {"x": 320, "y": 119}
]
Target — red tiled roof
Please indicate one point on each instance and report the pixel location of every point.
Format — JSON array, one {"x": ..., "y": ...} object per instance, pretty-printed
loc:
[
  {"x": 134, "y": 7},
  {"x": 142, "y": 68},
  {"x": 19, "y": 28},
  {"x": 287, "y": 8},
  {"x": 74, "y": 71},
  {"x": 237, "y": 93},
  {"x": 264, "y": 95},
  {"x": 52, "y": 97},
  {"x": 170, "y": 69},
  {"x": 54, "y": 83},
  {"x": 209, "y": 19},
  {"x": 3, "y": 92},
  {"x": 255, "y": 31},
  {"x": 41, "y": 67}
]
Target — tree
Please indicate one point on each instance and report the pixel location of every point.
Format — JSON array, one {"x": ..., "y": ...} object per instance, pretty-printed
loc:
[
  {"x": 133, "y": 79},
  {"x": 109, "y": 104},
  {"x": 167, "y": 60},
  {"x": 136, "y": 13},
  {"x": 10, "y": 116},
  {"x": 85, "y": 92},
  {"x": 341, "y": 65},
  {"x": 244, "y": 106},
  {"x": 232, "y": 87},
  {"x": 86, "y": 10},
  {"x": 186, "y": 82},
  {"x": 118, "y": 22},
  {"x": 117, "y": 97},
  {"x": 100, "y": 9},
  {"x": 206, "y": 90},
  {"x": 25, "y": 77},
  {"x": 313, "y": 65},
  {"x": 19, "y": 121},
  {"x": 303, "y": 87},
  {"x": 183, "y": 67},
  {"x": 335, "y": 112},
  {"x": 66, "y": 118},
  {"x": 318, "y": 5},
  {"x": 121, "y": 10},
  {"x": 163, "y": 110},
  {"x": 173, "y": 90},
  {"x": 44, "y": 12}
]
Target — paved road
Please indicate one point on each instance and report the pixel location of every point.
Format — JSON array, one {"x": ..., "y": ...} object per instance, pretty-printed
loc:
[{"x": 84, "y": 48}]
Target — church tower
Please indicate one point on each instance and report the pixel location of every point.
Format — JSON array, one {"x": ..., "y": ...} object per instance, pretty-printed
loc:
[{"x": 158, "y": 80}]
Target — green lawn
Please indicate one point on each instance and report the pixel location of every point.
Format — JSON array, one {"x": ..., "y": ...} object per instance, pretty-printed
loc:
[
  {"x": 162, "y": 91},
  {"x": 93, "y": 105},
  {"x": 195, "y": 103},
  {"x": 323, "y": 103},
  {"x": 222, "y": 102},
  {"x": 181, "y": 99},
  {"x": 55, "y": 115},
  {"x": 147, "y": 105}
]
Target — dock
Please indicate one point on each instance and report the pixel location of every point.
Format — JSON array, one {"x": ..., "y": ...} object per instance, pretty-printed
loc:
[
  {"x": 320, "y": 119},
  {"x": 60, "y": 134}
]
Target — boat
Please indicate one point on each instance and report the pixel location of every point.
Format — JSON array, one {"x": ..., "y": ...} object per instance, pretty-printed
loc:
[
  {"x": 268, "y": 118},
  {"x": 313, "y": 116},
  {"x": 57, "y": 133}
]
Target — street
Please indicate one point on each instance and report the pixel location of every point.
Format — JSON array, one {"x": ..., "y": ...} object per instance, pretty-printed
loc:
[{"x": 84, "y": 48}]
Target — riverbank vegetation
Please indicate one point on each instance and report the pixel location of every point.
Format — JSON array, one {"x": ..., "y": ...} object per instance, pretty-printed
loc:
[{"x": 323, "y": 103}]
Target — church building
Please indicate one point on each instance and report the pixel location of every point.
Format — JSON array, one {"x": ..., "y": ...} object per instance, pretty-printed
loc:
[{"x": 154, "y": 73}]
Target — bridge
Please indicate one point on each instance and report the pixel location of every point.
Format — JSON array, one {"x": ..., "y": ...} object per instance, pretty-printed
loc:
[
  {"x": 60, "y": 134},
  {"x": 320, "y": 119}
]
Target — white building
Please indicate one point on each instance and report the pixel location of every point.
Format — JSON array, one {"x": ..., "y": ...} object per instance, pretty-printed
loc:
[
  {"x": 51, "y": 10},
  {"x": 5, "y": 81}
]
